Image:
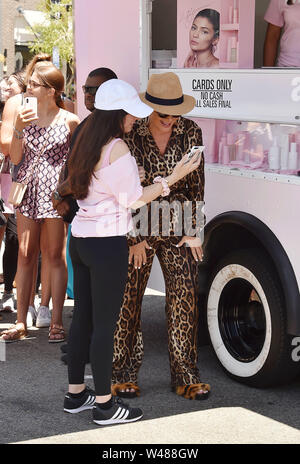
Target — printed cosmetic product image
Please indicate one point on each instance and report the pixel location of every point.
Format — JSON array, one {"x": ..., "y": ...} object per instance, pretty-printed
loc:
[
  {"x": 232, "y": 50},
  {"x": 257, "y": 155},
  {"x": 230, "y": 14},
  {"x": 293, "y": 157},
  {"x": 233, "y": 53},
  {"x": 235, "y": 12},
  {"x": 246, "y": 146},
  {"x": 226, "y": 155},
  {"x": 222, "y": 144},
  {"x": 220, "y": 154},
  {"x": 258, "y": 146},
  {"x": 274, "y": 156},
  {"x": 297, "y": 141},
  {"x": 240, "y": 147},
  {"x": 284, "y": 155},
  {"x": 231, "y": 147},
  {"x": 236, "y": 34},
  {"x": 260, "y": 151}
]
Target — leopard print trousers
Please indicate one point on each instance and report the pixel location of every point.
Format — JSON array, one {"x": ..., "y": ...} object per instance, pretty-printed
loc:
[{"x": 180, "y": 271}]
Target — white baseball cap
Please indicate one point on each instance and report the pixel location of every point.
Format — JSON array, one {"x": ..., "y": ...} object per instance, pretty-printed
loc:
[{"x": 116, "y": 94}]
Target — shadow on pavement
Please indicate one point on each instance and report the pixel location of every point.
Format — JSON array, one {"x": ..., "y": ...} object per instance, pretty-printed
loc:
[{"x": 33, "y": 382}]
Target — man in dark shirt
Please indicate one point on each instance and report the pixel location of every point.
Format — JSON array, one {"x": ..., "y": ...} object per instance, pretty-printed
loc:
[{"x": 93, "y": 82}]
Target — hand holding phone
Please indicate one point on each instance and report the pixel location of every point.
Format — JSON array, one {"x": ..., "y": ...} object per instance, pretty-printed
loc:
[
  {"x": 30, "y": 103},
  {"x": 194, "y": 150},
  {"x": 27, "y": 113}
]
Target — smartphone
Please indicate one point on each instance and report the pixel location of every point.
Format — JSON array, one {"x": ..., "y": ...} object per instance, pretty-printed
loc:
[
  {"x": 31, "y": 103},
  {"x": 194, "y": 149}
]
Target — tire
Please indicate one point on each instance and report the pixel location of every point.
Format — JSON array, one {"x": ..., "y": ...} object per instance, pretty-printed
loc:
[{"x": 246, "y": 319}]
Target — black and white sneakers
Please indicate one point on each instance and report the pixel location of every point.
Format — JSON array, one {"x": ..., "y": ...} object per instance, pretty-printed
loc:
[
  {"x": 119, "y": 413},
  {"x": 85, "y": 401}
]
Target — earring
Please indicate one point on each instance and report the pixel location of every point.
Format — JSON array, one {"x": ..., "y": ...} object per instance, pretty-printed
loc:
[{"x": 214, "y": 47}]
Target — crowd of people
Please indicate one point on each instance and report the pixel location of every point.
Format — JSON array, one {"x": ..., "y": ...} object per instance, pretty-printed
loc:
[
  {"x": 82, "y": 181},
  {"x": 75, "y": 195},
  {"x": 79, "y": 202}
]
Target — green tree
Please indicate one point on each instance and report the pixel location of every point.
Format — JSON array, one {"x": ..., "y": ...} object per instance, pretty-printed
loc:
[{"x": 56, "y": 31}]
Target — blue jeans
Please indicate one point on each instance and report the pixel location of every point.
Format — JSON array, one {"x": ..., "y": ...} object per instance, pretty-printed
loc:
[{"x": 70, "y": 291}]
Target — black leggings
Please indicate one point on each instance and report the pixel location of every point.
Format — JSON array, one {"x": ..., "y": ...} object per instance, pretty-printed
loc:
[{"x": 100, "y": 266}]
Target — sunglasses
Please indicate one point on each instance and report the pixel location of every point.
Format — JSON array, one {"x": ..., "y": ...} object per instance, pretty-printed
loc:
[
  {"x": 163, "y": 116},
  {"x": 90, "y": 90},
  {"x": 35, "y": 85}
]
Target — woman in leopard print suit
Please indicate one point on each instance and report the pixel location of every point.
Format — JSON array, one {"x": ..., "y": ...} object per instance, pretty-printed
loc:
[{"x": 157, "y": 144}]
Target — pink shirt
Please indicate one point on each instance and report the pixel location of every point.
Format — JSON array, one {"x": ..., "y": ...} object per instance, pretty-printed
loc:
[
  {"x": 286, "y": 16},
  {"x": 105, "y": 212}
]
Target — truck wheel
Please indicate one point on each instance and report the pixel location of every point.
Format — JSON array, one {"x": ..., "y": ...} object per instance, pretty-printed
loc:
[{"x": 247, "y": 321}]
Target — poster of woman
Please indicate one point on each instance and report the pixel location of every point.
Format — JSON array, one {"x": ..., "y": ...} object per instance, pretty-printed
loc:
[
  {"x": 215, "y": 33},
  {"x": 198, "y": 33}
]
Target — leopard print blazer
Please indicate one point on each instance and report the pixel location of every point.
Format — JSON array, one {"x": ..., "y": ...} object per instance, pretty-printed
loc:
[{"x": 185, "y": 135}]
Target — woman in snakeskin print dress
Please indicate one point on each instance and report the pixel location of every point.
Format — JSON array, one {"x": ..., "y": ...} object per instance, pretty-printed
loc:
[{"x": 42, "y": 141}]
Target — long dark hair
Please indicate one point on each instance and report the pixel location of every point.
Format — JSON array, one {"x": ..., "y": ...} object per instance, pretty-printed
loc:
[
  {"x": 100, "y": 127},
  {"x": 213, "y": 17}
]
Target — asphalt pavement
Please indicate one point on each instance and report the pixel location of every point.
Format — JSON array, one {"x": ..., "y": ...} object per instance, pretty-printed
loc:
[{"x": 33, "y": 382}]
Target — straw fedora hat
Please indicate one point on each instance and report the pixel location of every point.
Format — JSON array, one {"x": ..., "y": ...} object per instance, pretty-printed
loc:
[{"x": 164, "y": 94}]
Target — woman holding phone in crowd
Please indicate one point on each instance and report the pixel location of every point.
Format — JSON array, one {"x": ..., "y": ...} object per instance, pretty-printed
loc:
[
  {"x": 41, "y": 142},
  {"x": 104, "y": 178},
  {"x": 16, "y": 91},
  {"x": 158, "y": 143}
]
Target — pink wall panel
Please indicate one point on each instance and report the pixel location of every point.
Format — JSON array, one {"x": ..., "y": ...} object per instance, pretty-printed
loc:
[{"x": 106, "y": 34}]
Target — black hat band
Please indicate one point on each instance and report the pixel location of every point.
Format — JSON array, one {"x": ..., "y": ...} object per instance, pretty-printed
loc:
[{"x": 164, "y": 101}]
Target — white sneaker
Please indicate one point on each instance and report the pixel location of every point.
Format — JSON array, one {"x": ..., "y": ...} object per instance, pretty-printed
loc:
[
  {"x": 37, "y": 301},
  {"x": 8, "y": 302},
  {"x": 31, "y": 316},
  {"x": 43, "y": 317}
]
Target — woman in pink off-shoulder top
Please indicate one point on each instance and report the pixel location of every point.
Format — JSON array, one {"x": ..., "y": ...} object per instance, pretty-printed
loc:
[{"x": 104, "y": 178}]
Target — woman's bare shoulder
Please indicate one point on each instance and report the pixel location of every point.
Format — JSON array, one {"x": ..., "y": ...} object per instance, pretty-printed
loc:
[
  {"x": 119, "y": 149},
  {"x": 72, "y": 120},
  {"x": 17, "y": 98},
  {"x": 14, "y": 101},
  {"x": 11, "y": 107},
  {"x": 72, "y": 117}
]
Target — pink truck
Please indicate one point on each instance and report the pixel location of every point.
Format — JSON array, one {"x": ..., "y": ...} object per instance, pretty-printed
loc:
[{"x": 250, "y": 120}]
